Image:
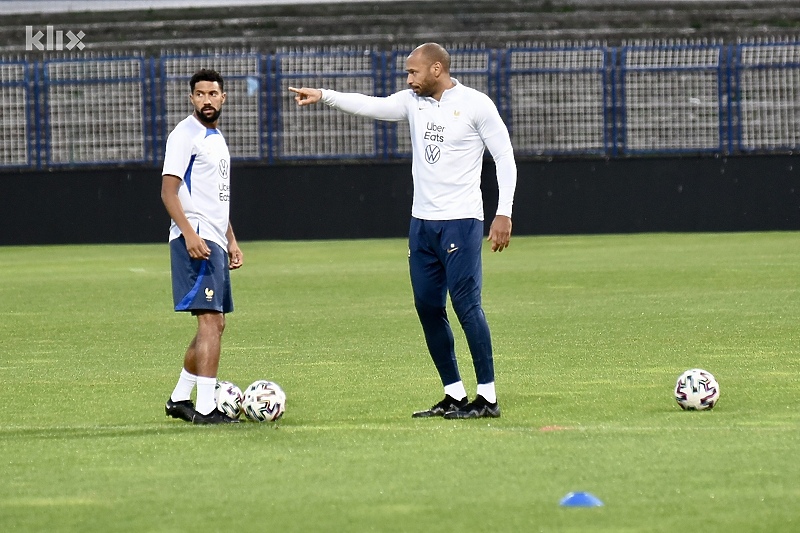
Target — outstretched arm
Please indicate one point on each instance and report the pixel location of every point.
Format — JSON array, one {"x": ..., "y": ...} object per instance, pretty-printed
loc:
[{"x": 390, "y": 108}]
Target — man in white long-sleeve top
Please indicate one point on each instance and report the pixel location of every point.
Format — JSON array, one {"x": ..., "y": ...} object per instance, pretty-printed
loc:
[{"x": 450, "y": 126}]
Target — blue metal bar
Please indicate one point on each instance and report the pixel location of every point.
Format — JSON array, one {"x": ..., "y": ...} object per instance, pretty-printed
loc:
[
  {"x": 729, "y": 95},
  {"x": 46, "y": 100},
  {"x": 154, "y": 136},
  {"x": 276, "y": 118},
  {"x": 720, "y": 102},
  {"x": 31, "y": 128},
  {"x": 37, "y": 112},
  {"x": 611, "y": 144},
  {"x": 267, "y": 125},
  {"x": 622, "y": 141}
]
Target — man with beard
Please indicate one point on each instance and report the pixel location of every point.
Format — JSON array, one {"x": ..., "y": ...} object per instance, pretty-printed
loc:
[
  {"x": 450, "y": 126},
  {"x": 195, "y": 189}
]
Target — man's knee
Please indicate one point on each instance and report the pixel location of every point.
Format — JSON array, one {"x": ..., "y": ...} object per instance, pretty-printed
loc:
[
  {"x": 466, "y": 302},
  {"x": 426, "y": 310},
  {"x": 211, "y": 322}
]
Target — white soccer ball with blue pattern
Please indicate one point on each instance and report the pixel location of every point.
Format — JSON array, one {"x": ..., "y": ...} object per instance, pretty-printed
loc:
[
  {"x": 264, "y": 401},
  {"x": 229, "y": 398},
  {"x": 696, "y": 390}
]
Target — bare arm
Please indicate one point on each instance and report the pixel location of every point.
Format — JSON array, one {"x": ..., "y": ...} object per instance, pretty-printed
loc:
[
  {"x": 197, "y": 247},
  {"x": 235, "y": 257}
]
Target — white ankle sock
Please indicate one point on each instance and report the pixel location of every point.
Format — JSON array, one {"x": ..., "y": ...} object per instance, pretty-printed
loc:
[
  {"x": 205, "y": 395},
  {"x": 487, "y": 391},
  {"x": 184, "y": 387},
  {"x": 456, "y": 390}
]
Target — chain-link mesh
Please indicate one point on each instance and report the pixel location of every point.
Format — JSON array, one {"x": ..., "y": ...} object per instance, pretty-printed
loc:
[
  {"x": 769, "y": 97},
  {"x": 319, "y": 131},
  {"x": 557, "y": 100},
  {"x": 672, "y": 98},
  {"x": 14, "y": 95},
  {"x": 95, "y": 111}
]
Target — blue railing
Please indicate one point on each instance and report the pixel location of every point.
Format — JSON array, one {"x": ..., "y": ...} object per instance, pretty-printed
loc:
[{"x": 585, "y": 101}]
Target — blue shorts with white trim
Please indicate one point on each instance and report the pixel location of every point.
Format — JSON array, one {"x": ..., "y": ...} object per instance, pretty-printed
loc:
[{"x": 200, "y": 284}]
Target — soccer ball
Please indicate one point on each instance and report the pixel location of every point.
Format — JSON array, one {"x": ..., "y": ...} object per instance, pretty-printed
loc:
[
  {"x": 696, "y": 390},
  {"x": 264, "y": 401},
  {"x": 228, "y": 398}
]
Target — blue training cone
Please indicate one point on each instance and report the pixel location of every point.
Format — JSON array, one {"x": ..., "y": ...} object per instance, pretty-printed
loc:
[{"x": 581, "y": 499}]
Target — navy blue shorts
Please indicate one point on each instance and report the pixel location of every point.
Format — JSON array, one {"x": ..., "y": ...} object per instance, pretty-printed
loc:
[
  {"x": 445, "y": 256},
  {"x": 200, "y": 284}
]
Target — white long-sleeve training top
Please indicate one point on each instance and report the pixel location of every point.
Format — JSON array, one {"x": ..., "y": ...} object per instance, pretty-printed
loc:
[{"x": 448, "y": 139}]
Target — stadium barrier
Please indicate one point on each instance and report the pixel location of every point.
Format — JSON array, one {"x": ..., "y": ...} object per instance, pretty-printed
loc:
[{"x": 587, "y": 101}]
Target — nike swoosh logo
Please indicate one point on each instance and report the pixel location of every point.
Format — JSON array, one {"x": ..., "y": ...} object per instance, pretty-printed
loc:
[{"x": 451, "y": 250}]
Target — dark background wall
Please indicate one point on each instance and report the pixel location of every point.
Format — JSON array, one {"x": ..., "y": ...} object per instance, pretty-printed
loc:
[{"x": 338, "y": 201}]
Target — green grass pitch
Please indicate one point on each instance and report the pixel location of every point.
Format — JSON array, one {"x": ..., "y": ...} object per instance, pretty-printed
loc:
[{"x": 590, "y": 333}]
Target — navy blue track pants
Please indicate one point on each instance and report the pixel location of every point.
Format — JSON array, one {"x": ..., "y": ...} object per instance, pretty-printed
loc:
[{"x": 445, "y": 257}]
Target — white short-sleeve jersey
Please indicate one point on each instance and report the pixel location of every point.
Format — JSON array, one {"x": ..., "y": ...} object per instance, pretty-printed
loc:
[
  {"x": 448, "y": 139},
  {"x": 200, "y": 157}
]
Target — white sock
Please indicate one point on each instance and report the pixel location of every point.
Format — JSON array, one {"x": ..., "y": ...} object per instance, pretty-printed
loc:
[
  {"x": 205, "y": 395},
  {"x": 456, "y": 390},
  {"x": 184, "y": 387},
  {"x": 487, "y": 391}
]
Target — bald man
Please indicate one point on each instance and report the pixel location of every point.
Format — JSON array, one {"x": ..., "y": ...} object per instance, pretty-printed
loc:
[{"x": 450, "y": 126}]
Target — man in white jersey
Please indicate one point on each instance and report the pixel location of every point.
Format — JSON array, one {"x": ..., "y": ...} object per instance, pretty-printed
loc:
[
  {"x": 195, "y": 189},
  {"x": 450, "y": 126}
]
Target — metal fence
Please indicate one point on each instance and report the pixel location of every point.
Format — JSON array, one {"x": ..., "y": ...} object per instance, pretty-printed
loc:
[
  {"x": 560, "y": 100},
  {"x": 16, "y": 139},
  {"x": 572, "y": 101},
  {"x": 672, "y": 99},
  {"x": 766, "y": 89},
  {"x": 321, "y": 132}
]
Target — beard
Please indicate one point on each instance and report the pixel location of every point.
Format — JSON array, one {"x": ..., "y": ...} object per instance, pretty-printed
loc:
[
  {"x": 202, "y": 117},
  {"x": 422, "y": 90}
]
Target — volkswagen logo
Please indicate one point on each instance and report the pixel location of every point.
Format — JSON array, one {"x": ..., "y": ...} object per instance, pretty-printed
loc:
[
  {"x": 223, "y": 169},
  {"x": 432, "y": 153}
]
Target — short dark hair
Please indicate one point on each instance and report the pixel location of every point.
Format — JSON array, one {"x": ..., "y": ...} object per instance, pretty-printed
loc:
[{"x": 206, "y": 74}]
